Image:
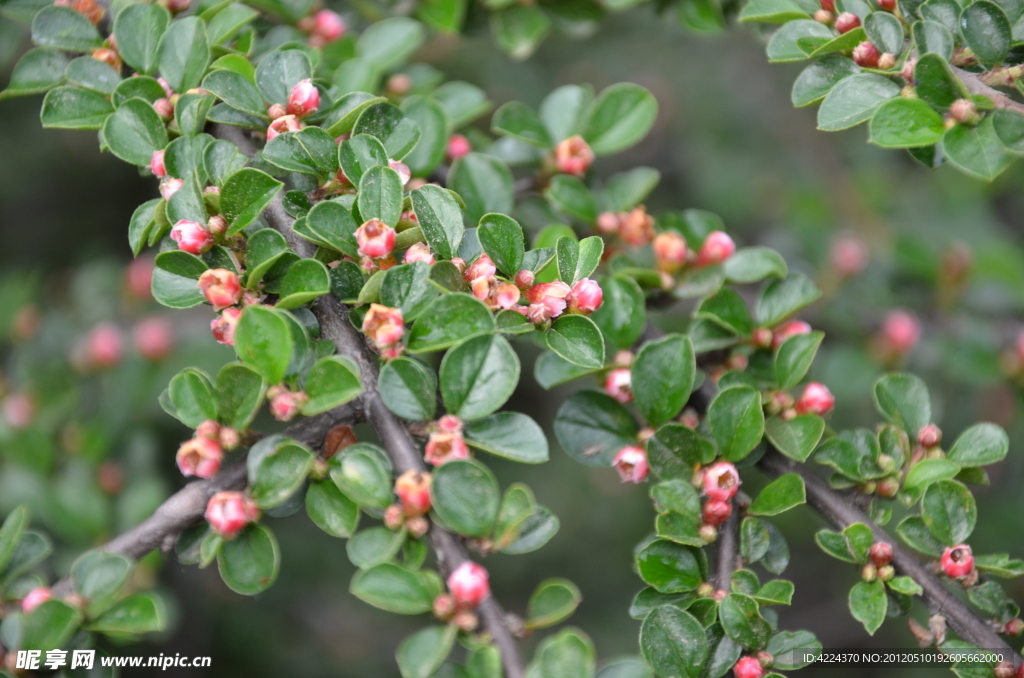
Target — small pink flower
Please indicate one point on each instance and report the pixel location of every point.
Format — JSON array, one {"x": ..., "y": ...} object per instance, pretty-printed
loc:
[
  {"x": 35, "y": 598},
  {"x": 586, "y": 297},
  {"x": 717, "y": 248},
  {"x": 496, "y": 294},
  {"x": 607, "y": 222},
  {"x": 275, "y": 111},
  {"x": 573, "y": 156},
  {"x": 199, "y": 457},
  {"x": 901, "y": 331},
  {"x": 154, "y": 337},
  {"x": 537, "y": 314},
  {"x": 957, "y": 561},
  {"x": 849, "y": 255},
  {"x": 223, "y": 326},
  {"x": 881, "y": 553},
  {"x": 670, "y": 251},
  {"x": 18, "y": 410},
  {"x": 468, "y": 585},
  {"x": 721, "y": 481},
  {"x": 788, "y": 329},
  {"x": 169, "y": 186},
  {"x": 816, "y": 399},
  {"x": 413, "y": 490},
  {"x": 631, "y": 464},
  {"x": 156, "y": 164},
  {"x": 458, "y": 146},
  {"x": 285, "y": 404},
  {"x": 552, "y": 296},
  {"x": 303, "y": 99},
  {"x": 419, "y": 252},
  {"x": 376, "y": 239},
  {"x": 208, "y": 429},
  {"x": 217, "y": 225},
  {"x": 404, "y": 173},
  {"x": 104, "y": 345},
  {"x": 618, "y": 384},
  {"x": 285, "y": 123},
  {"x": 444, "y": 447},
  {"x": 229, "y": 512},
  {"x": 483, "y": 267},
  {"x": 221, "y": 287},
  {"x": 192, "y": 237},
  {"x": 383, "y": 325}
]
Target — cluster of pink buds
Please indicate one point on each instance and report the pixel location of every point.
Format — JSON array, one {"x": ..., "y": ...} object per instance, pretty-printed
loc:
[
  {"x": 880, "y": 556},
  {"x": 384, "y": 326},
  {"x": 550, "y": 300},
  {"x": 221, "y": 287},
  {"x": 468, "y": 586},
  {"x": 573, "y": 156},
  {"x": 376, "y": 243},
  {"x": 285, "y": 404},
  {"x": 458, "y": 146},
  {"x": 323, "y": 27},
  {"x": 223, "y": 326},
  {"x": 635, "y": 227},
  {"x": 619, "y": 384},
  {"x": 202, "y": 455},
  {"x": 35, "y": 598},
  {"x": 631, "y": 464},
  {"x": 192, "y": 237},
  {"x": 816, "y": 399},
  {"x": 419, "y": 252},
  {"x": 446, "y": 442},
  {"x": 154, "y": 337},
  {"x": 413, "y": 490},
  {"x": 229, "y": 512},
  {"x": 721, "y": 482},
  {"x": 18, "y": 410},
  {"x": 958, "y": 563}
]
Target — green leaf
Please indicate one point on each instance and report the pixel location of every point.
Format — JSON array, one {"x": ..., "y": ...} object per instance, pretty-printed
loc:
[
  {"x": 999, "y": 565},
  {"x": 422, "y": 653},
  {"x": 279, "y": 71},
  {"x": 390, "y": 42},
  {"x": 592, "y": 427},
  {"x": 308, "y": 151},
  {"x": 674, "y": 451},
  {"x": 622, "y": 315},
  {"x": 138, "y": 29},
  {"x": 626, "y": 190},
  {"x": 568, "y": 654},
  {"x": 65, "y": 29},
  {"x": 440, "y": 217},
  {"x": 264, "y": 248},
  {"x": 906, "y": 123},
  {"x": 374, "y": 546},
  {"x": 670, "y": 567},
  {"x": 621, "y": 116},
  {"x": 737, "y": 421},
  {"x": 511, "y": 435},
  {"x": 240, "y": 391},
  {"x": 332, "y": 511},
  {"x": 306, "y": 280},
  {"x": 787, "y": 43},
  {"x": 519, "y": 29},
  {"x": 332, "y": 381},
  {"x": 843, "y": 43},
  {"x": 517, "y": 120},
  {"x": 980, "y": 445},
  {"x": 775, "y": 592},
  {"x": 915, "y": 533},
  {"x": 885, "y": 31},
  {"x": 788, "y": 648},
  {"x": 903, "y": 400},
  {"x": 933, "y": 37},
  {"x": 772, "y": 11},
  {"x": 393, "y": 588},
  {"x": 797, "y": 437},
  {"x": 818, "y": 79},
  {"x": 174, "y": 280},
  {"x": 987, "y": 30},
  {"x": 905, "y": 585},
  {"x": 779, "y": 496},
  {"x": 444, "y": 15},
  {"x": 244, "y": 196},
  {"x": 93, "y": 74},
  {"x": 249, "y": 563},
  {"x": 74, "y": 108},
  {"x": 134, "y": 132},
  {"x": 577, "y": 339},
  {"x": 406, "y": 287},
  {"x": 854, "y": 100},
  {"x": 10, "y": 534},
  {"x": 752, "y": 264},
  {"x": 673, "y": 642},
  {"x": 976, "y": 150},
  {"x": 191, "y": 394},
  {"x": 927, "y": 471},
  {"x": 184, "y": 54},
  {"x": 742, "y": 621},
  {"x": 96, "y": 575},
  {"x": 334, "y": 226},
  {"x": 222, "y": 159},
  {"x": 140, "y": 613},
  {"x": 342, "y": 116},
  {"x": 264, "y": 342},
  {"x": 363, "y": 475},
  {"x": 577, "y": 260},
  {"x": 663, "y": 377},
  {"x": 236, "y": 91},
  {"x": 358, "y": 154},
  {"x": 37, "y": 71},
  {"x": 49, "y": 626},
  {"x": 868, "y": 604},
  {"x": 783, "y": 298},
  {"x": 936, "y": 84},
  {"x": 386, "y": 122},
  {"x": 727, "y": 309},
  {"x": 183, "y": 157},
  {"x": 484, "y": 183},
  {"x": 380, "y": 195},
  {"x": 563, "y": 109},
  {"x": 794, "y": 358},
  {"x": 569, "y": 194},
  {"x": 478, "y": 376},
  {"x": 409, "y": 389},
  {"x": 949, "y": 511},
  {"x": 466, "y": 497},
  {"x": 502, "y": 239},
  {"x": 451, "y": 318},
  {"x": 276, "y": 469}
]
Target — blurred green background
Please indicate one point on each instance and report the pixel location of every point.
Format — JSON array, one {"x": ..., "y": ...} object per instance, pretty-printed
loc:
[{"x": 727, "y": 140}]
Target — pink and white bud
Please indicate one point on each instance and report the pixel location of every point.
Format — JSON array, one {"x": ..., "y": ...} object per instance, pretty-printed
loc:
[
  {"x": 208, "y": 429},
  {"x": 285, "y": 405},
  {"x": 154, "y": 338},
  {"x": 468, "y": 585},
  {"x": 901, "y": 331},
  {"x": 586, "y": 296},
  {"x": 156, "y": 164},
  {"x": 104, "y": 346},
  {"x": 716, "y": 512},
  {"x": 192, "y": 237},
  {"x": 849, "y": 255},
  {"x": 394, "y": 517},
  {"x": 619, "y": 385},
  {"x": 285, "y": 123},
  {"x": 449, "y": 423},
  {"x": 444, "y": 447},
  {"x": 383, "y": 325},
  {"x": 483, "y": 267},
  {"x": 886, "y": 5},
  {"x": 552, "y": 296},
  {"x": 965, "y": 112},
  {"x": 823, "y": 16},
  {"x": 866, "y": 55},
  {"x": 221, "y": 287},
  {"x": 169, "y": 186},
  {"x": 223, "y": 326},
  {"x": 419, "y": 252},
  {"x": 886, "y": 61},
  {"x": 670, "y": 251},
  {"x": 881, "y": 553},
  {"x": 303, "y": 99},
  {"x": 444, "y": 606},
  {"x": 177, "y": 6},
  {"x": 573, "y": 156},
  {"x": 35, "y": 598},
  {"x": 19, "y": 410},
  {"x": 168, "y": 92},
  {"x": 721, "y": 481},
  {"x": 328, "y": 25},
  {"x": 846, "y": 22},
  {"x": 607, "y": 223},
  {"x": 217, "y": 225},
  {"x": 376, "y": 239},
  {"x": 957, "y": 561},
  {"x": 413, "y": 490},
  {"x": 164, "y": 108},
  {"x": 538, "y": 314},
  {"x": 631, "y": 464},
  {"x": 525, "y": 279},
  {"x": 275, "y": 111},
  {"x": 748, "y": 667},
  {"x": 458, "y": 146},
  {"x": 229, "y": 512},
  {"x": 199, "y": 457},
  {"x": 929, "y": 436},
  {"x": 788, "y": 329},
  {"x": 404, "y": 173},
  {"x": 816, "y": 399},
  {"x": 717, "y": 247},
  {"x": 635, "y": 227}
]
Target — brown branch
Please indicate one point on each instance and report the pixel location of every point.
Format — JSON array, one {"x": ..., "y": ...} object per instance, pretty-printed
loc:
[
  {"x": 975, "y": 85},
  {"x": 728, "y": 548}
]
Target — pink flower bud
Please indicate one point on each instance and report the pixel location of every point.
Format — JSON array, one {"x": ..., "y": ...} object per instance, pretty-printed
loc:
[
  {"x": 444, "y": 447},
  {"x": 221, "y": 287},
  {"x": 573, "y": 156},
  {"x": 468, "y": 585},
  {"x": 636, "y": 227},
  {"x": 957, "y": 561},
  {"x": 303, "y": 99},
  {"x": 631, "y": 464},
  {"x": 229, "y": 512},
  {"x": 399, "y": 84},
  {"x": 419, "y": 252},
  {"x": 929, "y": 436},
  {"x": 828, "y": 5},
  {"x": 607, "y": 223},
  {"x": 846, "y": 22},
  {"x": 886, "y": 5},
  {"x": 168, "y": 92},
  {"x": 552, "y": 296},
  {"x": 404, "y": 173},
  {"x": 618, "y": 384},
  {"x": 139, "y": 277},
  {"x": 964, "y": 111},
  {"x": 449, "y": 423},
  {"x": 716, "y": 512},
  {"x": 707, "y": 533},
  {"x": 537, "y": 314},
  {"x": 164, "y": 108},
  {"x": 285, "y": 404},
  {"x": 823, "y": 16},
  {"x": 413, "y": 490},
  {"x": 886, "y": 61},
  {"x": 328, "y": 25},
  {"x": 866, "y": 54},
  {"x": 458, "y": 146},
  {"x": 444, "y": 606},
  {"x": 275, "y": 111},
  {"x": 525, "y": 279},
  {"x": 285, "y": 123},
  {"x": 383, "y": 325},
  {"x": 394, "y": 517},
  {"x": 717, "y": 248},
  {"x": 376, "y": 239},
  {"x": 223, "y": 326},
  {"x": 154, "y": 338},
  {"x": 18, "y": 410},
  {"x": 901, "y": 331},
  {"x": 229, "y": 438},
  {"x": 908, "y": 70},
  {"x": 177, "y": 6},
  {"x": 208, "y": 429},
  {"x": 192, "y": 237},
  {"x": 35, "y": 598},
  {"x": 483, "y": 267},
  {"x": 199, "y": 457},
  {"x": 816, "y": 399},
  {"x": 108, "y": 55},
  {"x": 788, "y": 329},
  {"x": 104, "y": 346},
  {"x": 1014, "y": 627},
  {"x": 881, "y": 553},
  {"x": 1003, "y": 669},
  {"x": 586, "y": 296},
  {"x": 721, "y": 481},
  {"x": 849, "y": 255},
  {"x": 670, "y": 251},
  {"x": 169, "y": 186},
  {"x": 156, "y": 164},
  {"x": 748, "y": 667},
  {"x": 217, "y": 225}
]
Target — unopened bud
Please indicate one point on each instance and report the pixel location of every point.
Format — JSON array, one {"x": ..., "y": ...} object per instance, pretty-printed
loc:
[
  {"x": 886, "y": 573},
  {"x": 465, "y": 620},
  {"x": 417, "y": 526},
  {"x": 229, "y": 512},
  {"x": 866, "y": 55},
  {"x": 846, "y": 22},
  {"x": 458, "y": 146},
  {"x": 394, "y": 517},
  {"x": 444, "y": 606},
  {"x": 573, "y": 156},
  {"x": 869, "y": 573},
  {"x": 708, "y": 533},
  {"x": 716, "y": 248},
  {"x": 303, "y": 99},
  {"x": 525, "y": 279},
  {"x": 965, "y": 112},
  {"x": 929, "y": 436},
  {"x": 886, "y": 61}
]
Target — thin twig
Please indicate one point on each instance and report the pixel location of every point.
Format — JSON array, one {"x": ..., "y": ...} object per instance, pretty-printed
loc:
[
  {"x": 728, "y": 548},
  {"x": 975, "y": 85}
]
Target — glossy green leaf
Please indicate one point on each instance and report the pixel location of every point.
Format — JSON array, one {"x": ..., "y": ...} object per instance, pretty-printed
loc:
[
  {"x": 422, "y": 653},
  {"x": 362, "y": 474},
  {"x": 386, "y": 122},
  {"x": 139, "y": 613},
  {"x": 502, "y": 239},
  {"x": 138, "y": 29},
  {"x": 264, "y": 342},
  {"x": 309, "y": 151},
  {"x": 409, "y": 389},
  {"x": 331, "y": 382},
  {"x": 134, "y": 132},
  {"x": 794, "y": 358},
  {"x": 236, "y": 91},
  {"x": 249, "y": 563},
  {"x": 797, "y": 437},
  {"x": 903, "y": 400},
  {"x": 868, "y": 604},
  {"x": 949, "y": 511},
  {"x": 279, "y": 71},
  {"x": 670, "y": 567},
  {"x": 184, "y": 53},
  {"x": 673, "y": 642},
  {"x": 737, "y": 421},
  {"x": 976, "y": 150},
  {"x": 592, "y": 427},
  {"x": 49, "y": 625},
  {"x": 440, "y": 217},
  {"x": 553, "y": 600},
  {"x": 478, "y": 375},
  {"x": 577, "y": 339},
  {"x": 240, "y": 391},
  {"x": 663, "y": 377},
  {"x": 466, "y": 497},
  {"x": 380, "y": 195},
  {"x": 779, "y": 496},
  {"x": 451, "y": 318},
  {"x": 511, "y": 435},
  {"x": 854, "y": 100},
  {"x": 980, "y": 445},
  {"x": 245, "y": 195},
  {"x": 987, "y": 30},
  {"x": 906, "y": 123},
  {"x": 331, "y": 510},
  {"x": 63, "y": 28},
  {"x": 519, "y": 121},
  {"x": 620, "y": 117},
  {"x": 484, "y": 183},
  {"x": 818, "y": 79}
]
